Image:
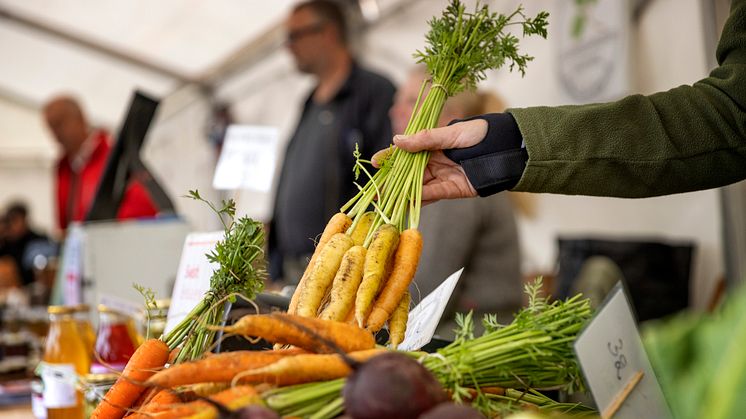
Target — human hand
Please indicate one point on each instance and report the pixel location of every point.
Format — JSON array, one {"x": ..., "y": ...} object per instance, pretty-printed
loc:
[{"x": 443, "y": 178}]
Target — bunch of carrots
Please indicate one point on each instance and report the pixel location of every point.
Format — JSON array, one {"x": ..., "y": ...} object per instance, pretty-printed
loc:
[
  {"x": 147, "y": 389},
  {"x": 368, "y": 254}
]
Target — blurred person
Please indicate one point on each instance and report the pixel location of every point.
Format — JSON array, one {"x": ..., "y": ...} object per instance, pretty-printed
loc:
[
  {"x": 484, "y": 241},
  {"x": 85, "y": 153},
  {"x": 348, "y": 107},
  {"x": 21, "y": 239}
]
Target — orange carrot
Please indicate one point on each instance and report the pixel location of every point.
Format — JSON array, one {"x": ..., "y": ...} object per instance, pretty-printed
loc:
[
  {"x": 306, "y": 368},
  {"x": 339, "y": 223},
  {"x": 149, "y": 357},
  {"x": 219, "y": 368},
  {"x": 406, "y": 259},
  {"x": 281, "y": 328},
  {"x": 233, "y": 398}
]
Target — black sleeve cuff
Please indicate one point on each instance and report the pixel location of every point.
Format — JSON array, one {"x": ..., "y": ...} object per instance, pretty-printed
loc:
[{"x": 497, "y": 162}]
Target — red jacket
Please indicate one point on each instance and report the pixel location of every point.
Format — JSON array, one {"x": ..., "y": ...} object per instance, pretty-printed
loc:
[{"x": 135, "y": 203}]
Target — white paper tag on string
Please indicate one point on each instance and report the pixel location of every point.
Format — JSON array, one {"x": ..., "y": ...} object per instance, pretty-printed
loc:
[
  {"x": 193, "y": 276},
  {"x": 612, "y": 357},
  {"x": 247, "y": 159},
  {"x": 424, "y": 319}
]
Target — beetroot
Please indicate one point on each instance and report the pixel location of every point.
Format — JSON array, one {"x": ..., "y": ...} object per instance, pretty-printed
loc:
[
  {"x": 452, "y": 411},
  {"x": 392, "y": 386},
  {"x": 255, "y": 412}
]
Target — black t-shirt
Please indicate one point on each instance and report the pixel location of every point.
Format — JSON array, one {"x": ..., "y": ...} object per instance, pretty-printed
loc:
[{"x": 317, "y": 174}]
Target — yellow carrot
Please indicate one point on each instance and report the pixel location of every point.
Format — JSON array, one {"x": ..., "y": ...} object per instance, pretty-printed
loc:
[
  {"x": 379, "y": 252},
  {"x": 322, "y": 274},
  {"x": 339, "y": 223},
  {"x": 406, "y": 259},
  {"x": 345, "y": 285},
  {"x": 361, "y": 229},
  {"x": 398, "y": 321}
]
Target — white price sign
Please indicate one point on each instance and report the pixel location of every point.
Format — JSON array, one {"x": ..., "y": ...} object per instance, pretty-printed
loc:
[
  {"x": 615, "y": 364},
  {"x": 193, "y": 276},
  {"x": 248, "y": 158},
  {"x": 424, "y": 319}
]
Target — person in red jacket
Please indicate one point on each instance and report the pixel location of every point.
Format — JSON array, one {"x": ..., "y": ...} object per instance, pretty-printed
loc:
[{"x": 85, "y": 151}]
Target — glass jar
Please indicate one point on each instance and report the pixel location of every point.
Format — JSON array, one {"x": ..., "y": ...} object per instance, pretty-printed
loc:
[
  {"x": 95, "y": 387},
  {"x": 65, "y": 359},
  {"x": 83, "y": 319},
  {"x": 114, "y": 342}
]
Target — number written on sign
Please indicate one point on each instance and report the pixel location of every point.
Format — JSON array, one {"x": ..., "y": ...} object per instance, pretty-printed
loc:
[{"x": 620, "y": 361}]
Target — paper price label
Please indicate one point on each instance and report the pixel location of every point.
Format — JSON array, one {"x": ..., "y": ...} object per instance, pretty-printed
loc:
[
  {"x": 248, "y": 158},
  {"x": 193, "y": 276},
  {"x": 424, "y": 319},
  {"x": 59, "y": 385},
  {"x": 615, "y": 364}
]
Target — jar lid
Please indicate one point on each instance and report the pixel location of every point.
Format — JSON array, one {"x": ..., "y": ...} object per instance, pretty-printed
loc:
[
  {"x": 106, "y": 309},
  {"x": 82, "y": 308},
  {"x": 60, "y": 309}
]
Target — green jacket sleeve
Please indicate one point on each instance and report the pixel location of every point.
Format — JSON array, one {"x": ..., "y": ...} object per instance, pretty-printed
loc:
[{"x": 688, "y": 138}]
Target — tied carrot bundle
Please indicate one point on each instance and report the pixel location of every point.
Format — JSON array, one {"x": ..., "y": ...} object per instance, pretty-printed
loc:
[
  {"x": 306, "y": 368},
  {"x": 287, "y": 329},
  {"x": 406, "y": 259},
  {"x": 220, "y": 368},
  {"x": 337, "y": 224},
  {"x": 147, "y": 359}
]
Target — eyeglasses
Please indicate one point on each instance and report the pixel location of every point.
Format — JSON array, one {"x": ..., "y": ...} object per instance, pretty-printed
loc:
[{"x": 298, "y": 34}]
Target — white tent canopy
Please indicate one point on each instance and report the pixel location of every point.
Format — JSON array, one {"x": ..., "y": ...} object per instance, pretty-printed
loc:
[{"x": 193, "y": 53}]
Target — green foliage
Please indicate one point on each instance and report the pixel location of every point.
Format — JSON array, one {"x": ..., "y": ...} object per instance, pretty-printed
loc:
[
  {"x": 240, "y": 271},
  {"x": 534, "y": 351},
  {"x": 699, "y": 360},
  {"x": 462, "y": 46}
]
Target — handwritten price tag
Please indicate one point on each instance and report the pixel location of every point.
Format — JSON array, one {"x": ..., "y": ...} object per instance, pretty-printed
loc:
[
  {"x": 193, "y": 276},
  {"x": 615, "y": 364},
  {"x": 424, "y": 319},
  {"x": 248, "y": 158}
]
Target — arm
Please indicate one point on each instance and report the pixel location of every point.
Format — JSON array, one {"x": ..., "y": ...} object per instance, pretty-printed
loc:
[
  {"x": 688, "y": 138},
  {"x": 685, "y": 139}
]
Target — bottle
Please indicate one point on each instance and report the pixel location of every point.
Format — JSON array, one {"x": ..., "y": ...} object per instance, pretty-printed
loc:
[
  {"x": 83, "y": 320},
  {"x": 114, "y": 342},
  {"x": 65, "y": 359}
]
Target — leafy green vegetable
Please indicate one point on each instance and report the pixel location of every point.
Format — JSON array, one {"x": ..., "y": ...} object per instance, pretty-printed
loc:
[
  {"x": 240, "y": 272},
  {"x": 699, "y": 360}
]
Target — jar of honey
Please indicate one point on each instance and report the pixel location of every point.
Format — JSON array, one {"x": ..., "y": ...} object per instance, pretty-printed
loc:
[
  {"x": 114, "y": 341},
  {"x": 83, "y": 319},
  {"x": 65, "y": 359}
]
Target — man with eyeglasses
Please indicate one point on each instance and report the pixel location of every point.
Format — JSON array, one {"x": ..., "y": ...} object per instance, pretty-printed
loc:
[{"x": 347, "y": 108}]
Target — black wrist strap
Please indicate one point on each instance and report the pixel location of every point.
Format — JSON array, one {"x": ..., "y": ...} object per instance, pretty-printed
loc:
[{"x": 497, "y": 162}]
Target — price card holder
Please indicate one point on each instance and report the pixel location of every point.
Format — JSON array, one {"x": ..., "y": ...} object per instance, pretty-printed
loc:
[
  {"x": 193, "y": 276},
  {"x": 424, "y": 319},
  {"x": 247, "y": 159},
  {"x": 615, "y": 364}
]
